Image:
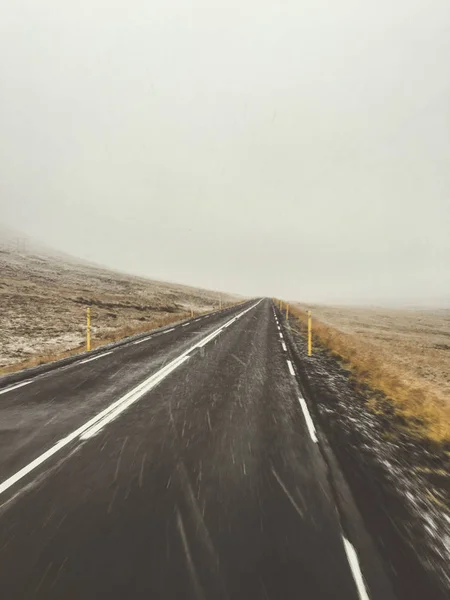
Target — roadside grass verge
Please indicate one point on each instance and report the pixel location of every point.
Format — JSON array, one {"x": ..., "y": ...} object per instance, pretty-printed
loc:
[
  {"x": 423, "y": 412},
  {"x": 98, "y": 340},
  {"x": 101, "y": 336}
]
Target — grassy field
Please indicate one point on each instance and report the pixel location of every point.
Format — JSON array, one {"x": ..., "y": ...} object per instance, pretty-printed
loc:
[
  {"x": 403, "y": 353},
  {"x": 44, "y": 297}
]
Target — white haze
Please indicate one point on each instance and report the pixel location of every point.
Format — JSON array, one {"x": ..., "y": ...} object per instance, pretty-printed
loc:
[{"x": 298, "y": 149}]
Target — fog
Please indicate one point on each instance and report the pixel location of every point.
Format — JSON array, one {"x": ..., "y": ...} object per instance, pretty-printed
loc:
[{"x": 296, "y": 149}]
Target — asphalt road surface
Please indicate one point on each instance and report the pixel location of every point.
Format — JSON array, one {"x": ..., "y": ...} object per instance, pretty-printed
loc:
[{"x": 184, "y": 465}]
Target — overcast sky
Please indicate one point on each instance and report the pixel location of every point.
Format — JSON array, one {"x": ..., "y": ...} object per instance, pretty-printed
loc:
[{"x": 294, "y": 148}]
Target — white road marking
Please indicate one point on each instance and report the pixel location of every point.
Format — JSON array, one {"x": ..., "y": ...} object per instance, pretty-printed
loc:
[
  {"x": 291, "y": 368},
  {"x": 355, "y": 568},
  {"x": 111, "y": 412},
  {"x": 185, "y": 324},
  {"x": 281, "y": 335},
  {"x": 143, "y": 340},
  {"x": 86, "y": 360},
  {"x": 284, "y": 346},
  {"x": 123, "y": 403},
  {"x": 210, "y": 337},
  {"x": 14, "y": 387},
  {"x": 309, "y": 421},
  {"x": 168, "y": 330}
]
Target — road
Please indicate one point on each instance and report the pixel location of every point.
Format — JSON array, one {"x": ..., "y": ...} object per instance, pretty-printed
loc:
[{"x": 183, "y": 465}]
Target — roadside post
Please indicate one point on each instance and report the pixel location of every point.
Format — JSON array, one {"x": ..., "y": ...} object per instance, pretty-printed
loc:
[
  {"x": 88, "y": 329},
  {"x": 309, "y": 333},
  {"x": 287, "y": 312}
]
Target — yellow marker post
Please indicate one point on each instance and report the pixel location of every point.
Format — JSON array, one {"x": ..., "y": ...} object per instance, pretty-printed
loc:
[
  {"x": 192, "y": 312},
  {"x": 287, "y": 312},
  {"x": 309, "y": 333},
  {"x": 88, "y": 330}
]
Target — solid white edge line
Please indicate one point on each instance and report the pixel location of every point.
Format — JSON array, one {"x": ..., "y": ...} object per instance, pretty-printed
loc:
[
  {"x": 308, "y": 420},
  {"x": 111, "y": 411},
  {"x": 291, "y": 368},
  {"x": 355, "y": 568},
  {"x": 86, "y": 360},
  {"x": 14, "y": 387},
  {"x": 284, "y": 346}
]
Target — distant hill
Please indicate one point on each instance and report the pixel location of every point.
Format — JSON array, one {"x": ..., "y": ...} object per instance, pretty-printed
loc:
[{"x": 44, "y": 294}]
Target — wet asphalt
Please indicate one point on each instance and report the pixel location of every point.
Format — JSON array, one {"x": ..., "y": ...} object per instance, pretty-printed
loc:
[{"x": 209, "y": 482}]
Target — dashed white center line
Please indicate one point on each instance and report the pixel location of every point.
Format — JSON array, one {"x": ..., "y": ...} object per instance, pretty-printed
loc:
[
  {"x": 185, "y": 324},
  {"x": 308, "y": 420},
  {"x": 143, "y": 340},
  {"x": 291, "y": 368},
  {"x": 86, "y": 360},
  {"x": 281, "y": 335},
  {"x": 353, "y": 561},
  {"x": 15, "y": 387},
  {"x": 168, "y": 330},
  {"x": 284, "y": 346}
]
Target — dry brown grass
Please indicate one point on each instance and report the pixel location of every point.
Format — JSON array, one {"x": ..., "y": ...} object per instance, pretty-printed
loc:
[
  {"x": 422, "y": 404},
  {"x": 44, "y": 300}
]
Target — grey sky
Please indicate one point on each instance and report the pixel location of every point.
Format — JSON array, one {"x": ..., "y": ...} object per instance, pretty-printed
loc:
[{"x": 298, "y": 149}]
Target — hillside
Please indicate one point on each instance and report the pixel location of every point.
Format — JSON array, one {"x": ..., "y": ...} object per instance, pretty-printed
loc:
[{"x": 44, "y": 295}]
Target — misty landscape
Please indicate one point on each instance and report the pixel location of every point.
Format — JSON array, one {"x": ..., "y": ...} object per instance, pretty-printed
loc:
[
  {"x": 225, "y": 300},
  {"x": 63, "y": 287}
]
